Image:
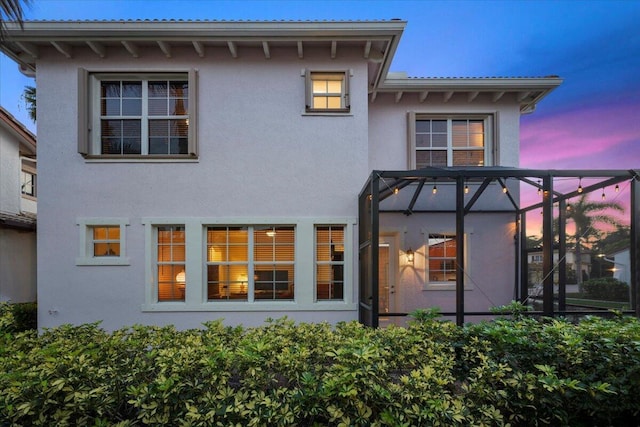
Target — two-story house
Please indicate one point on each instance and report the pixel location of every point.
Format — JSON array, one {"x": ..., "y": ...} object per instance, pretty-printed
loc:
[
  {"x": 193, "y": 170},
  {"x": 18, "y": 209}
]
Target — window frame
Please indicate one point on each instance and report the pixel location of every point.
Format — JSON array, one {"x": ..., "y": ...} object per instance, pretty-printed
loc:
[
  {"x": 89, "y": 114},
  {"x": 331, "y": 263},
  {"x": 28, "y": 167},
  {"x": 196, "y": 297},
  {"x": 435, "y": 285},
  {"x": 490, "y": 143},
  {"x": 86, "y": 256},
  {"x": 345, "y": 96}
]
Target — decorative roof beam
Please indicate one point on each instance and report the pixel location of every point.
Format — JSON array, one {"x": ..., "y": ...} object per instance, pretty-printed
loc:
[
  {"x": 98, "y": 48},
  {"x": 300, "y": 50},
  {"x": 398, "y": 96},
  {"x": 334, "y": 46},
  {"x": 233, "y": 49},
  {"x": 199, "y": 47},
  {"x": 367, "y": 49},
  {"x": 131, "y": 48},
  {"x": 29, "y": 48},
  {"x": 63, "y": 48},
  {"x": 523, "y": 95},
  {"x": 472, "y": 96},
  {"x": 497, "y": 95},
  {"x": 165, "y": 47},
  {"x": 265, "y": 48},
  {"x": 423, "y": 95},
  {"x": 447, "y": 96}
]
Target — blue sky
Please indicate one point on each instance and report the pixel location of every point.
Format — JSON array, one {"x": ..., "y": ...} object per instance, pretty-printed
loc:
[{"x": 591, "y": 121}]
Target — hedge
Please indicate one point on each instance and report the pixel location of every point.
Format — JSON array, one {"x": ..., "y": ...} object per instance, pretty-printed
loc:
[{"x": 521, "y": 372}]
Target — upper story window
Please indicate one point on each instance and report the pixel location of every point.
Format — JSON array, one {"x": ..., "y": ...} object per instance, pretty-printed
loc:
[
  {"x": 139, "y": 116},
  {"x": 327, "y": 92},
  {"x": 28, "y": 178},
  {"x": 437, "y": 141}
]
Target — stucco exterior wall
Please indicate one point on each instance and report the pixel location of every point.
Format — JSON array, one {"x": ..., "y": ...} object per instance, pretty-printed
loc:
[
  {"x": 260, "y": 157},
  {"x": 388, "y": 126},
  {"x": 9, "y": 173}
]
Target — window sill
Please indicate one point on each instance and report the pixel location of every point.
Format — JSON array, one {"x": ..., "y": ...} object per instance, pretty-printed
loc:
[
  {"x": 141, "y": 159},
  {"x": 259, "y": 306},
  {"x": 328, "y": 113},
  {"x": 103, "y": 261},
  {"x": 444, "y": 286}
]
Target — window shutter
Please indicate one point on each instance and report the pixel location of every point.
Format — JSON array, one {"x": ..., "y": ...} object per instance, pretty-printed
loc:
[
  {"x": 83, "y": 112},
  {"x": 193, "y": 112},
  {"x": 347, "y": 95},
  {"x": 307, "y": 89},
  {"x": 411, "y": 140}
]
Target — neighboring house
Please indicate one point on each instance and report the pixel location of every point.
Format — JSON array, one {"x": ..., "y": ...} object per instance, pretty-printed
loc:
[
  {"x": 534, "y": 260},
  {"x": 621, "y": 265},
  {"x": 17, "y": 210},
  {"x": 195, "y": 170}
]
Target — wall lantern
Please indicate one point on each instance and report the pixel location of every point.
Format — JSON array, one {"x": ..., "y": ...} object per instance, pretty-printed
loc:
[{"x": 410, "y": 256}]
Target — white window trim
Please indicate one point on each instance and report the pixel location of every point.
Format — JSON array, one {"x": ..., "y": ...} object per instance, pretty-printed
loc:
[
  {"x": 446, "y": 286},
  {"x": 309, "y": 110},
  {"x": 85, "y": 256},
  {"x": 330, "y": 263},
  {"x": 28, "y": 166},
  {"x": 196, "y": 289},
  {"x": 489, "y": 118},
  {"x": 89, "y": 117}
]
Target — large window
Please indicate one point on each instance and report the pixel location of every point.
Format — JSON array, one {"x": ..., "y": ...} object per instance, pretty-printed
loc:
[
  {"x": 327, "y": 91},
  {"x": 449, "y": 141},
  {"x": 250, "y": 263},
  {"x": 330, "y": 262},
  {"x": 141, "y": 116},
  {"x": 171, "y": 258}
]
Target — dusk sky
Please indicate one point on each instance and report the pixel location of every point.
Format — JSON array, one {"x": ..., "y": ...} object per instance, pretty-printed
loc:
[{"x": 591, "y": 121}]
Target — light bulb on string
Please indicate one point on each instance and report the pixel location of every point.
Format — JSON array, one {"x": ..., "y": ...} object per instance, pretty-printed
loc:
[
  {"x": 580, "y": 186},
  {"x": 617, "y": 188}
]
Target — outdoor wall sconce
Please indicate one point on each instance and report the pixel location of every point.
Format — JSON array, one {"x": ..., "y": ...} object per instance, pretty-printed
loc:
[{"x": 410, "y": 256}]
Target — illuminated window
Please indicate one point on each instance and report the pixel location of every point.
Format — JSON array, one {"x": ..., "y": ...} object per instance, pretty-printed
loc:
[
  {"x": 140, "y": 115},
  {"x": 449, "y": 141},
  {"x": 330, "y": 262},
  {"x": 250, "y": 263},
  {"x": 102, "y": 241},
  {"x": 172, "y": 279},
  {"x": 327, "y": 92},
  {"x": 442, "y": 258},
  {"x": 105, "y": 240}
]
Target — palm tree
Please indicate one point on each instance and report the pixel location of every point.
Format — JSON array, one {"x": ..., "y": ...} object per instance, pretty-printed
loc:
[
  {"x": 29, "y": 97},
  {"x": 586, "y": 214},
  {"x": 10, "y": 10}
]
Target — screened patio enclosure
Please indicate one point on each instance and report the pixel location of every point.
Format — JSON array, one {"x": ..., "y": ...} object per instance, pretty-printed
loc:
[{"x": 481, "y": 196}]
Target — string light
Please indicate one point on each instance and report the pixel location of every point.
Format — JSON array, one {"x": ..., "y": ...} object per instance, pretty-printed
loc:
[
  {"x": 504, "y": 190},
  {"x": 396, "y": 190},
  {"x": 617, "y": 188},
  {"x": 603, "y": 195},
  {"x": 539, "y": 188},
  {"x": 466, "y": 189},
  {"x": 580, "y": 186},
  {"x": 435, "y": 189}
]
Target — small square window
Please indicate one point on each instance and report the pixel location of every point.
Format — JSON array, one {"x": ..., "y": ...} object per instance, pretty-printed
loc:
[
  {"x": 327, "y": 91},
  {"x": 102, "y": 241}
]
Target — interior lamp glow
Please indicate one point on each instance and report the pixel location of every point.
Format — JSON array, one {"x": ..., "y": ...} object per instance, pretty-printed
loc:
[{"x": 181, "y": 278}]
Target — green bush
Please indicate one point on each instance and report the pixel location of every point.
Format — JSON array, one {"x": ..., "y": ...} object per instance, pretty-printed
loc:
[
  {"x": 18, "y": 317},
  {"x": 519, "y": 372},
  {"x": 606, "y": 289}
]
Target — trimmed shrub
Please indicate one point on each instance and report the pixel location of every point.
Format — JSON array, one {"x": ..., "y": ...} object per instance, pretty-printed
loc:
[
  {"x": 18, "y": 317},
  {"x": 606, "y": 289},
  {"x": 508, "y": 372}
]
